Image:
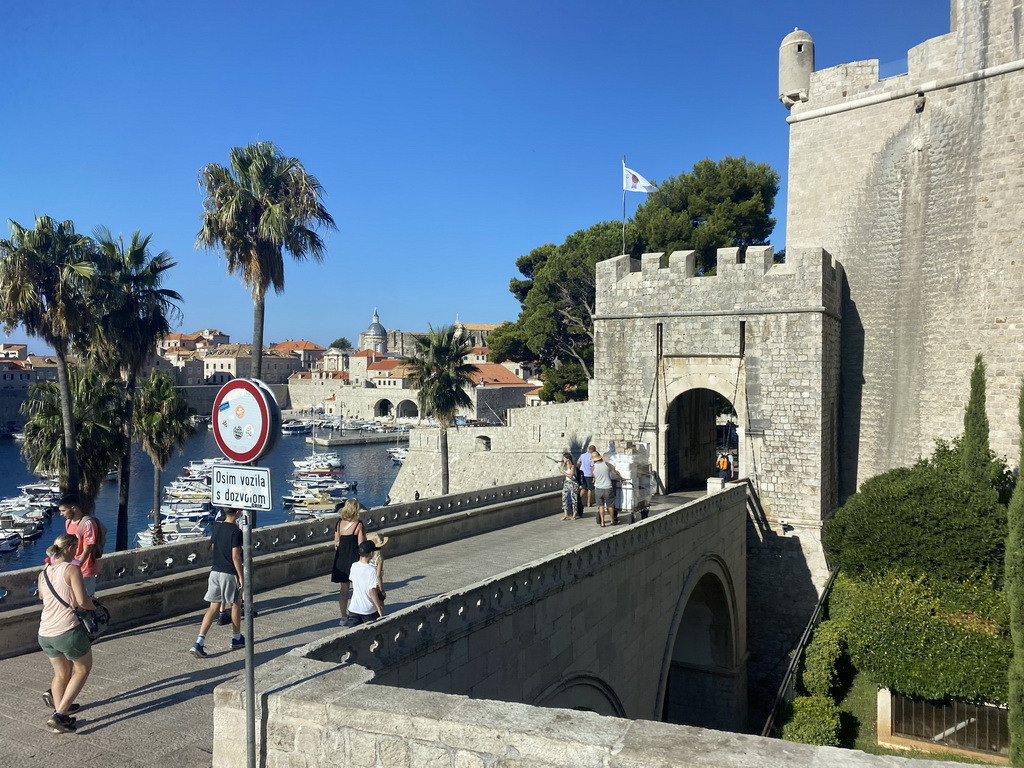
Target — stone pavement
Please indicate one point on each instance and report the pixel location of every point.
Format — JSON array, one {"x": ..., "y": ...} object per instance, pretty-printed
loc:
[{"x": 149, "y": 703}]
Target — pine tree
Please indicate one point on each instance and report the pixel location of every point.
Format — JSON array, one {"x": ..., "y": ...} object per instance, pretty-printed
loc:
[{"x": 1014, "y": 584}]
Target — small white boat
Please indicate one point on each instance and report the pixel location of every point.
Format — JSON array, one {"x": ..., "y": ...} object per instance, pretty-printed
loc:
[
  {"x": 9, "y": 541},
  {"x": 296, "y": 428},
  {"x": 18, "y": 435},
  {"x": 184, "y": 511},
  {"x": 173, "y": 531},
  {"x": 29, "y": 530}
]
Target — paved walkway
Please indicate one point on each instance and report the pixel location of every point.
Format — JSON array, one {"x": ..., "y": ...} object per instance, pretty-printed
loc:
[{"x": 148, "y": 702}]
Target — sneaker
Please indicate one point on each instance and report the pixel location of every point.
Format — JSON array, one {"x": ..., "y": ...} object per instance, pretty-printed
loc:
[
  {"x": 224, "y": 617},
  {"x": 48, "y": 701},
  {"x": 239, "y": 643},
  {"x": 61, "y": 723},
  {"x": 198, "y": 651}
]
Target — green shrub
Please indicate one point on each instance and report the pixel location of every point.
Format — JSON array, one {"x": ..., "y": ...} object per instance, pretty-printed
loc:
[
  {"x": 926, "y": 520},
  {"x": 927, "y": 639},
  {"x": 820, "y": 675},
  {"x": 812, "y": 720}
]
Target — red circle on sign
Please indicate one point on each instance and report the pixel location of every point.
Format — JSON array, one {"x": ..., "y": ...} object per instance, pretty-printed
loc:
[{"x": 223, "y": 426}]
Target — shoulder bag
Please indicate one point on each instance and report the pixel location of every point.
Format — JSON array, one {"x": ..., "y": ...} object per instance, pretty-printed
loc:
[{"x": 94, "y": 622}]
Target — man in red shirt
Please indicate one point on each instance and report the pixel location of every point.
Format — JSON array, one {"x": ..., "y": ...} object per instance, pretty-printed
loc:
[{"x": 85, "y": 528}]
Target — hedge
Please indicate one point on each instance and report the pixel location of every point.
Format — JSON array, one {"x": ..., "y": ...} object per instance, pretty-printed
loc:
[
  {"x": 922, "y": 520},
  {"x": 925, "y": 639},
  {"x": 820, "y": 675},
  {"x": 812, "y": 720}
]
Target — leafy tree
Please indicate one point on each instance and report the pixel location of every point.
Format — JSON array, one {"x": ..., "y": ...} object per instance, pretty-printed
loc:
[
  {"x": 341, "y": 343},
  {"x": 441, "y": 376},
  {"x": 43, "y": 273},
  {"x": 922, "y": 520},
  {"x": 924, "y": 636},
  {"x": 1014, "y": 580},
  {"x": 718, "y": 204},
  {"x": 254, "y": 211},
  {"x": 97, "y": 406},
  {"x": 163, "y": 425},
  {"x": 132, "y": 313}
]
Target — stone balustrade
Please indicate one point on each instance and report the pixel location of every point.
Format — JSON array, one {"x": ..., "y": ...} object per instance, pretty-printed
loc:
[
  {"x": 144, "y": 585},
  {"x": 18, "y": 588}
]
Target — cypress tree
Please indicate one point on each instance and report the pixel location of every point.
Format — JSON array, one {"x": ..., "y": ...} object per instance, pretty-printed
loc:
[
  {"x": 975, "y": 454},
  {"x": 1014, "y": 583}
]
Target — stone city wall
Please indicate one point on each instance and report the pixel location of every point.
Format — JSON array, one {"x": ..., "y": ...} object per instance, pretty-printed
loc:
[
  {"x": 481, "y": 457},
  {"x": 913, "y": 183}
]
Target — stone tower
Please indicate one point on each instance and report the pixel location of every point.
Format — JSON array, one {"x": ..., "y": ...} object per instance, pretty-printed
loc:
[
  {"x": 913, "y": 183},
  {"x": 796, "y": 63}
]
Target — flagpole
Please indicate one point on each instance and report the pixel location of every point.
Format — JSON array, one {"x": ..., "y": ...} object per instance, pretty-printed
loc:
[{"x": 623, "y": 204}]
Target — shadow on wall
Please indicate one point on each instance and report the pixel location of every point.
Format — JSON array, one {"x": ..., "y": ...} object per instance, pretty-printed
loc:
[
  {"x": 780, "y": 598},
  {"x": 851, "y": 388}
]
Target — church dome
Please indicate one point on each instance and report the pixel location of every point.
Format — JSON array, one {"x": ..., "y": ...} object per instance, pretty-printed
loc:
[{"x": 376, "y": 329}]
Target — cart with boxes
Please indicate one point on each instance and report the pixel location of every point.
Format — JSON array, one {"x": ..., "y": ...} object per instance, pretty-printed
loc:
[{"x": 633, "y": 493}]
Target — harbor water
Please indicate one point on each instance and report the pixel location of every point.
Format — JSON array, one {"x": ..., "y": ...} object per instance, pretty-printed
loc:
[{"x": 368, "y": 465}]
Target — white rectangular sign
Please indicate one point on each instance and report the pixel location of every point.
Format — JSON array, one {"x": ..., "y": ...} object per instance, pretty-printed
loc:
[{"x": 242, "y": 487}]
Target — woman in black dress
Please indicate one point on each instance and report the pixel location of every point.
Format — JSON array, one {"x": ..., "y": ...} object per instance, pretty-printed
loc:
[{"x": 349, "y": 533}]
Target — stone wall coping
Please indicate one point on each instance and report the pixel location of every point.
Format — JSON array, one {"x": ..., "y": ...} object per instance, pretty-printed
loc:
[{"x": 139, "y": 565}]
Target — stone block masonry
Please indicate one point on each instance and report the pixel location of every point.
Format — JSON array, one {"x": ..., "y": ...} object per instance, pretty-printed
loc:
[{"x": 913, "y": 183}]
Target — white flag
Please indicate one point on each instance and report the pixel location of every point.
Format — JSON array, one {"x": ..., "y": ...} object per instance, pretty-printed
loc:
[{"x": 634, "y": 182}]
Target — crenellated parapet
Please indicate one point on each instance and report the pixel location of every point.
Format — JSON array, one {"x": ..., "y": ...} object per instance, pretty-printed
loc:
[{"x": 747, "y": 282}]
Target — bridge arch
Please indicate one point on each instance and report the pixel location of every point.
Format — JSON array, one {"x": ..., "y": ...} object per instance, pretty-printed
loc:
[
  {"x": 694, "y": 390},
  {"x": 584, "y": 692},
  {"x": 703, "y": 669}
]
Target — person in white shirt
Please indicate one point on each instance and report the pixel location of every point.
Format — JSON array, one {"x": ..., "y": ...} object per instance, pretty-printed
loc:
[
  {"x": 365, "y": 604},
  {"x": 605, "y": 489}
]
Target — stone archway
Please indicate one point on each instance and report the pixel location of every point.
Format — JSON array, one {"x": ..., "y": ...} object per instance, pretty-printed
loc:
[
  {"x": 705, "y": 678},
  {"x": 383, "y": 408},
  {"x": 694, "y": 392},
  {"x": 695, "y": 438},
  {"x": 407, "y": 409}
]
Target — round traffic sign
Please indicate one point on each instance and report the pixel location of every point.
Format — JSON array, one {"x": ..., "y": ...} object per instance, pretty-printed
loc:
[{"x": 246, "y": 420}]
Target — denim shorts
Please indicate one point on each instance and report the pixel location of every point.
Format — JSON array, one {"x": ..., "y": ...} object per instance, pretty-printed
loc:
[{"x": 72, "y": 645}]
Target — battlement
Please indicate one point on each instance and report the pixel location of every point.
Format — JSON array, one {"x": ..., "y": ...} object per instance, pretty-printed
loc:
[
  {"x": 982, "y": 43},
  {"x": 747, "y": 282}
]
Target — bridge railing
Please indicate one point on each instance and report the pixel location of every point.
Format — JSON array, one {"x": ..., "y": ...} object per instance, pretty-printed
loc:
[
  {"x": 19, "y": 588},
  {"x": 412, "y": 630}
]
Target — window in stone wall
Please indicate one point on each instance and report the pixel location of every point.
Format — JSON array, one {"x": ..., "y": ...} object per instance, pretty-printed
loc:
[
  {"x": 953, "y": 724},
  {"x": 483, "y": 443}
]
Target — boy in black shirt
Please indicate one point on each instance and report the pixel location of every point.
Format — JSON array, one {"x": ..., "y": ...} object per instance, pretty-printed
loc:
[{"x": 225, "y": 583}]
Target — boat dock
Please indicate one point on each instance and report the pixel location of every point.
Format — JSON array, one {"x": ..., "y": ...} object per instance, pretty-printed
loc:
[{"x": 357, "y": 438}]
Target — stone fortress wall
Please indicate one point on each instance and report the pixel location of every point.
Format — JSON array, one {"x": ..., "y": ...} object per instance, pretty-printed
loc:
[{"x": 914, "y": 184}]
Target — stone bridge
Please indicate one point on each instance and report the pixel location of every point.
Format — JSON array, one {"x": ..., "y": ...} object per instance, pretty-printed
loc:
[{"x": 494, "y": 607}]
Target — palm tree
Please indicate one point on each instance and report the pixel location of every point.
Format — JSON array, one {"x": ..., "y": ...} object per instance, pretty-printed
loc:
[
  {"x": 261, "y": 206},
  {"x": 442, "y": 377},
  {"x": 43, "y": 272},
  {"x": 162, "y": 424},
  {"x": 132, "y": 313},
  {"x": 97, "y": 404}
]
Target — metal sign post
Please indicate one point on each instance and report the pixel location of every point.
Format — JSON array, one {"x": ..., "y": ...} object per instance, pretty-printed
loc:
[
  {"x": 250, "y": 659},
  {"x": 246, "y": 425}
]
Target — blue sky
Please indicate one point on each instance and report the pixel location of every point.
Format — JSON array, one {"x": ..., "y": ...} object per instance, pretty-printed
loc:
[{"x": 451, "y": 137}]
